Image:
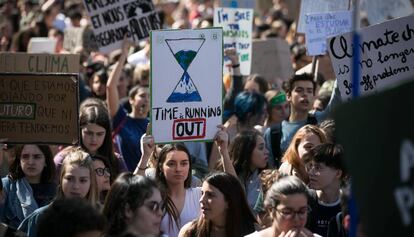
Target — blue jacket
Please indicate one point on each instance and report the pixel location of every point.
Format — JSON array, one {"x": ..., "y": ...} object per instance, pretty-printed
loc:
[{"x": 29, "y": 225}]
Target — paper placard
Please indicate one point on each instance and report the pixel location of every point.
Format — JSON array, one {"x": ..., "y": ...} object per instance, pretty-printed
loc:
[
  {"x": 39, "y": 63},
  {"x": 41, "y": 45},
  {"x": 111, "y": 20},
  {"x": 237, "y": 26},
  {"x": 387, "y": 56},
  {"x": 37, "y": 108},
  {"x": 186, "y": 84}
]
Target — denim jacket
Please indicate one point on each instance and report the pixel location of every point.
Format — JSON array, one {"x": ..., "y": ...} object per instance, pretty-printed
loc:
[{"x": 19, "y": 202}]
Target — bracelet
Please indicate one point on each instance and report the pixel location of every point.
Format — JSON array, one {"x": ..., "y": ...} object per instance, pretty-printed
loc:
[
  {"x": 142, "y": 168},
  {"x": 235, "y": 65}
]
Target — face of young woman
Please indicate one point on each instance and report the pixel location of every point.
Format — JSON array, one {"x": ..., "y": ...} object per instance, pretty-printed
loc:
[
  {"x": 260, "y": 154},
  {"x": 76, "y": 181},
  {"x": 291, "y": 213},
  {"x": 93, "y": 136},
  {"x": 176, "y": 167},
  {"x": 146, "y": 220},
  {"x": 280, "y": 112},
  {"x": 32, "y": 161},
  {"x": 213, "y": 203},
  {"x": 98, "y": 87},
  {"x": 308, "y": 142},
  {"x": 252, "y": 86},
  {"x": 141, "y": 100},
  {"x": 102, "y": 174}
]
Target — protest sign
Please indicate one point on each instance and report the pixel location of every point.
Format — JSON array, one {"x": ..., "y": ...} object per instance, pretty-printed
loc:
[
  {"x": 76, "y": 37},
  {"x": 272, "y": 59},
  {"x": 320, "y": 26},
  {"x": 312, "y": 6},
  {"x": 41, "y": 45},
  {"x": 238, "y": 3},
  {"x": 386, "y": 51},
  {"x": 111, "y": 20},
  {"x": 380, "y": 11},
  {"x": 39, "y": 108},
  {"x": 379, "y": 154},
  {"x": 39, "y": 63},
  {"x": 237, "y": 26},
  {"x": 186, "y": 84}
]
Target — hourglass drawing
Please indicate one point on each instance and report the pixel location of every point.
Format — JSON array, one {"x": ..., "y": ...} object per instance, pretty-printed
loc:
[{"x": 184, "y": 51}]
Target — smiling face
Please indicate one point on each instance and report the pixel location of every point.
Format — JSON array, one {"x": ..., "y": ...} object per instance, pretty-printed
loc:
[
  {"x": 93, "y": 137},
  {"x": 176, "y": 167},
  {"x": 146, "y": 220},
  {"x": 32, "y": 161},
  {"x": 302, "y": 96},
  {"x": 260, "y": 154},
  {"x": 76, "y": 181},
  {"x": 213, "y": 203}
]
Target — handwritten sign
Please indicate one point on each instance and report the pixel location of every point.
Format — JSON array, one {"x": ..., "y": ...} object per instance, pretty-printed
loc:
[
  {"x": 380, "y": 11},
  {"x": 37, "y": 108},
  {"x": 111, "y": 20},
  {"x": 79, "y": 37},
  {"x": 39, "y": 63},
  {"x": 387, "y": 56},
  {"x": 320, "y": 26},
  {"x": 237, "y": 26},
  {"x": 375, "y": 146},
  {"x": 271, "y": 59},
  {"x": 186, "y": 84},
  {"x": 313, "y": 6}
]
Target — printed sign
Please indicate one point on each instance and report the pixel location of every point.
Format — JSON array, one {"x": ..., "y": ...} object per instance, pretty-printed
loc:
[
  {"x": 271, "y": 59},
  {"x": 237, "y": 26},
  {"x": 76, "y": 37},
  {"x": 320, "y": 26},
  {"x": 386, "y": 51},
  {"x": 39, "y": 63},
  {"x": 379, "y": 154},
  {"x": 37, "y": 108},
  {"x": 313, "y": 6},
  {"x": 380, "y": 11},
  {"x": 111, "y": 20},
  {"x": 186, "y": 84}
]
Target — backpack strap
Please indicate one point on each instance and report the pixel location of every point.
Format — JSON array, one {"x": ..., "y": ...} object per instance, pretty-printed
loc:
[
  {"x": 275, "y": 137},
  {"x": 311, "y": 119}
]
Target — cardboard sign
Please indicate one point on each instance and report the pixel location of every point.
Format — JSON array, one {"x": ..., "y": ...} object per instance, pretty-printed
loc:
[
  {"x": 379, "y": 154},
  {"x": 237, "y": 26},
  {"x": 380, "y": 11},
  {"x": 41, "y": 45},
  {"x": 387, "y": 56},
  {"x": 271, "y": 59},
  {"x": 186, "y": 84},
  {"x": 76, "y": 37},
  {"x": 313, "y": 6},
  {"x": 320, "y": 26},
  {"x": 39, "y": 63},
  {"x": 37, "y": 108},
  {"x": 111, "y": 20}
]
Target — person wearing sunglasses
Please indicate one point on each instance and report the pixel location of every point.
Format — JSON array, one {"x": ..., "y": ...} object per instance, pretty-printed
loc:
[
  {"x": 287, "y": 204},
  {"x": 103, "y": 175},
  {"x": 134, "y": 207}
]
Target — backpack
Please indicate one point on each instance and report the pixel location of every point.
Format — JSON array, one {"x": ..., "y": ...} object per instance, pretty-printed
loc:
[{"x": 276, "y": 136}]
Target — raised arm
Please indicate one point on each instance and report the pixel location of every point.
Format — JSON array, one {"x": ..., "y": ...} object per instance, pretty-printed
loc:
[
  {"x": 222, "y": 142},
  {"x": 147, "y": 147},
  {"x": 112, "y": 96}
]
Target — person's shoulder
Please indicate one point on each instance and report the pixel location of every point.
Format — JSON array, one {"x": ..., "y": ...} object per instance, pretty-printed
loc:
[
  {"x": 285, "y": 168},
  {"x": 185, "y": 229}
]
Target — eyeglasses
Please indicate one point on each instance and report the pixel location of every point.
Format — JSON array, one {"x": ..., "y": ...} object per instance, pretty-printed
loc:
[
  {"x": 103, "y": 172},
  {"x": 155, "y": 206},
  {"x": 289, "y": 214}
]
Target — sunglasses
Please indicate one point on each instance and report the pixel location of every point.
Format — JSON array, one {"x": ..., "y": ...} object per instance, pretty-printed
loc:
[
  {"x": 155, "y": 206},
  {"x": 103, "y": 172}
]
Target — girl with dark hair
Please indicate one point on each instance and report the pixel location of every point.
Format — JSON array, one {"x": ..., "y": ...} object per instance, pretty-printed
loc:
[
  {"x": 134, "y": 207},
  {"x": 29, "y": 184},
  {"x": 95, "y": 136},
  {"x": 103, "y": 175},
  {"x": 97, "y": 84},
  {"x": 224, "y": 209},
  {"x": 249, "y": 155}
]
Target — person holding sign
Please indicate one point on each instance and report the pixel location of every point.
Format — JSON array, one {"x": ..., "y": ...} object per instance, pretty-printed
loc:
[
  {"x": 128, "y": 127},
  {"x": 29, "y": 184}
]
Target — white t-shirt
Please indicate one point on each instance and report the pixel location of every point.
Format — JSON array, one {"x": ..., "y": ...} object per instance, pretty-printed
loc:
[{"x": 191, "y": 211}]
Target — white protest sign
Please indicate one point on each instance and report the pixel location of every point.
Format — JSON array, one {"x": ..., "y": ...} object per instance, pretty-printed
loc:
[
  {"x": 312, "y": 6},
  {"x": 186, "y": 84},
  {"x": 111, "y": 20},
  {"x": 41, "y": 45},
  {"x": 237, "y": 26},
  {"x": 320, "y": 26},
  {"x": 379, "y": 11},
  {"x": 387, "y": 56}
]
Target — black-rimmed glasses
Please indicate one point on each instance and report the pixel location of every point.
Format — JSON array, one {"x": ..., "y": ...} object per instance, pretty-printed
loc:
[
  {"x": 288, "y": 213},
  {"x": 103, "y": 172}
]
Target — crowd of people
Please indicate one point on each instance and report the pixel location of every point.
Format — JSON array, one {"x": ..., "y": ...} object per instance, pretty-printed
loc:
[{"x": 274, "y": 168}]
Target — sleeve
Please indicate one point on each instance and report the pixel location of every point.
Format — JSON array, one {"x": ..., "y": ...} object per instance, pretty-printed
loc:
[
  {"x": 333, "y": 102},
  {"x": 236, "y": 87},
  {"x": 268, "y": 143}
]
